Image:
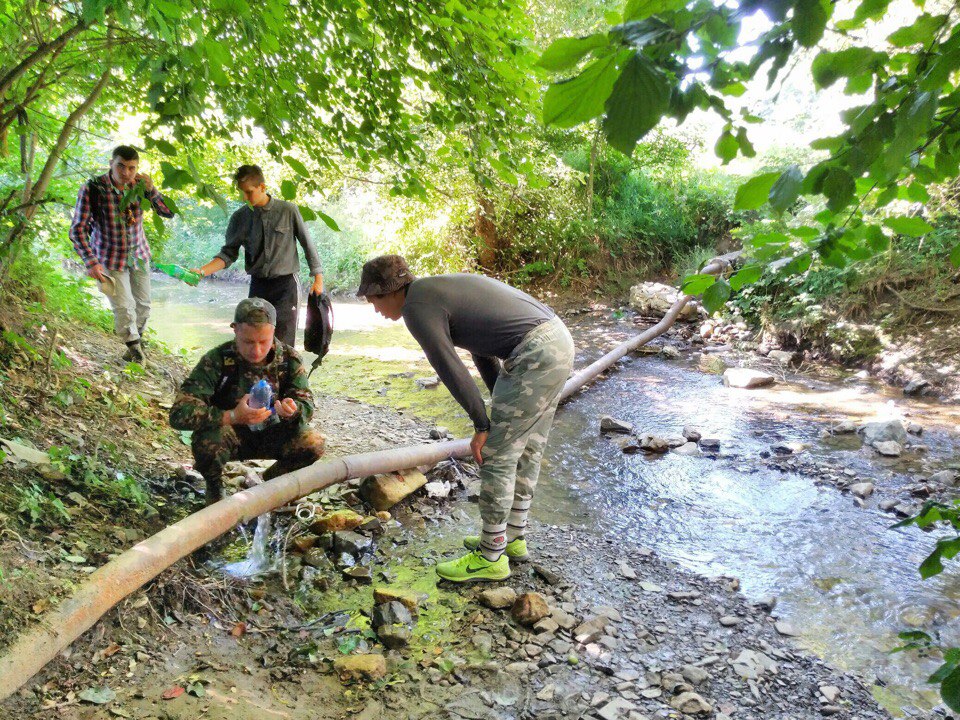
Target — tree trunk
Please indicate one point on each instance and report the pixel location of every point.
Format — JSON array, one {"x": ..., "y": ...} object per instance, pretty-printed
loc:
[
  {"x": 593, "y": 164},
  {"x": 486, "y": 229},
  {"x": 9, "y": 248}
]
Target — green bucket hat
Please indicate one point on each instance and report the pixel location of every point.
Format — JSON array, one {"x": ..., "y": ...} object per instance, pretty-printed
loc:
[
  {"x": 255, "y": 311},
  {"x": 384, "y": 275}
]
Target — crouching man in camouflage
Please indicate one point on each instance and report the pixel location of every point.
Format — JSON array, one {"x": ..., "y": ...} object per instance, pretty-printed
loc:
[
  {"x": 214, "y": 402},
  {"x": 524, "y": 354}
]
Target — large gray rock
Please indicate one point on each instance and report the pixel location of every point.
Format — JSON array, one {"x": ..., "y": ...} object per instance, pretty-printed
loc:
[
  {"x": 613, "y": 425},
  {"x": 944, "y": 477},
  {"x": 889, "y": 448},
  {"x": 655, "y": 299},
  {"x": 884, "y": 431},
  {"x": 390, "y": 613},
  {"x": 351, "y": 543},
  {"x": 747, "y": 378}
]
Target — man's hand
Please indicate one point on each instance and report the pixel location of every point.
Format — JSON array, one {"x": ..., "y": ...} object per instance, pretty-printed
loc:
[
  {"x": 147, "y": 181},
  {"x": 317, "y": 286},
  {"x": 243, "y": 414},
  {"x": 286, "y": 408},
  {"x": 476, "y": 445},
  {"x": 96, "y": 272}
]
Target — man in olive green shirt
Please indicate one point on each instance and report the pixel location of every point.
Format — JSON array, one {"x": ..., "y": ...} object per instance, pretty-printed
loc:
[{"x": 214, "y": 402}]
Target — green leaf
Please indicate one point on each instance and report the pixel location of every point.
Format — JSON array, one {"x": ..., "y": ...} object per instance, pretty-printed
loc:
[
  {"x": 942, "y": 672},
  {"x": 755, "y": 191},
  {"x": 173, "y": 177},
  {"x": 839, "y": 187},
  {"x": 746, "y": 147},
  {"x": 770, "y": 238},
  {"x": 746, "y": 276},
  {"x": 166, "y": 147},
  {"x": 955, "y": 256},
  {"x": 950, "y": 689},
  {"x": 870, "y": 9},
  {"x": 639, "y": 99},
  {"x": 288, "y": 188},
  {"x": 921, "y": 32},
  {"x": 809, "y": 22},
  {"x": 567, "y": 52},
  {"x": 853, "y": 62},
  {"x": 696, "y": 284},
  {"x": 170, "y": 9},
  {"x": 307, "y": 213},
  {"x": 917, "y": 192},
  {"x": 912, "y": 226},
  {"x": 727, "y": 147},
  {"x": 329, "y": 221},
  {"x": 877, "y": 241},
  {"x": 298, "y": 167},
  {"x": 786, "y": 189},
  {"x": 715, "y": 296},
  {"x": 581, "y": 98},
  {"x": 640, "y": 9},
  {"x": 799, "y": 264}
]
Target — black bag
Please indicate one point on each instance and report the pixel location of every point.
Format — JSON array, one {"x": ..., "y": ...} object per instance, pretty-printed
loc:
[{"x": 319, "y": 329}]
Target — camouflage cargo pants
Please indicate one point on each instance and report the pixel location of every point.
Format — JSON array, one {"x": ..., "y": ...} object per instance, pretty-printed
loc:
[
  {"x": 524, "y": 399},
  {"x": 291, "y": 446}
]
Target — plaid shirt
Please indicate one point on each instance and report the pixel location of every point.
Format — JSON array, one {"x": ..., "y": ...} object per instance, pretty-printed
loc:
[{"x": 106, "y": 235}]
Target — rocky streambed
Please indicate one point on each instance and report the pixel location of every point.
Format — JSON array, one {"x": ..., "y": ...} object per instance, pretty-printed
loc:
[{"x": 693, "y": 576}]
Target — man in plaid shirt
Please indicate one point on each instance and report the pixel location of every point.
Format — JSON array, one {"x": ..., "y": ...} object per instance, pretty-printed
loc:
[{"x": 111, "y": 243}]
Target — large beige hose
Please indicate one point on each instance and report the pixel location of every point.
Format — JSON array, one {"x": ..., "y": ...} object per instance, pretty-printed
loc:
[{"x": 137, "y": 566}]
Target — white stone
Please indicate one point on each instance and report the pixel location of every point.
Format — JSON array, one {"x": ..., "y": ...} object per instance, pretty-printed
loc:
[{"x": 862, "y": 490}]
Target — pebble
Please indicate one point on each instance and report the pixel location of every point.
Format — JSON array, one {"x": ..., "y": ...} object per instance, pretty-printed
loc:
[
  {"x": 786, "y": 629},
  {"x": 498, "y": 598}
]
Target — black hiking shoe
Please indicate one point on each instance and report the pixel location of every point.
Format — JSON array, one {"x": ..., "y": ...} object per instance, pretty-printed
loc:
[{"x": 134, "y": 353}]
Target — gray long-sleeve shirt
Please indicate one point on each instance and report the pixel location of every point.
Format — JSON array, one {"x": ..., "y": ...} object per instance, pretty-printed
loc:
[
  {"x": 479, "y": 314},
  {"x": 269, "y": 236}
]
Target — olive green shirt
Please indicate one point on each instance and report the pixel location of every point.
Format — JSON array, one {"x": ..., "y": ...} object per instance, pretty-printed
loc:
[{"x": 222, "y": 377}]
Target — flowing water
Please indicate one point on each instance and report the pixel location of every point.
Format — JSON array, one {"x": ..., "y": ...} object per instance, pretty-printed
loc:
[
  {"x": 843, "y": 578},
  {"x": 260, "y": 559}
]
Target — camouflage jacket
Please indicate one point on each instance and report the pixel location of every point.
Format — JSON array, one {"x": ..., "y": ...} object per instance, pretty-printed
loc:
[{"x": 222, "y": 377}]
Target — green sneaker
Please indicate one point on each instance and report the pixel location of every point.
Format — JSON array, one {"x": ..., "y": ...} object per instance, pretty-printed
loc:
[
  {"x": 516, "y": 549},
  {"x": 474, "y": 566}
]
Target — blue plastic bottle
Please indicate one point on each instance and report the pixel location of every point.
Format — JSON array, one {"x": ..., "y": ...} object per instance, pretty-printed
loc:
[{"x": 261, "y": 396}]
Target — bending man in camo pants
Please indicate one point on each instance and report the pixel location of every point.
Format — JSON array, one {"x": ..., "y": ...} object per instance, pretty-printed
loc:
[{"x": 524, "y": 354}]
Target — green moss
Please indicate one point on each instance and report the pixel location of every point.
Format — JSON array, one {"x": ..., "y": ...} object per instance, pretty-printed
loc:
[{"x": 893, "y": 698}]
